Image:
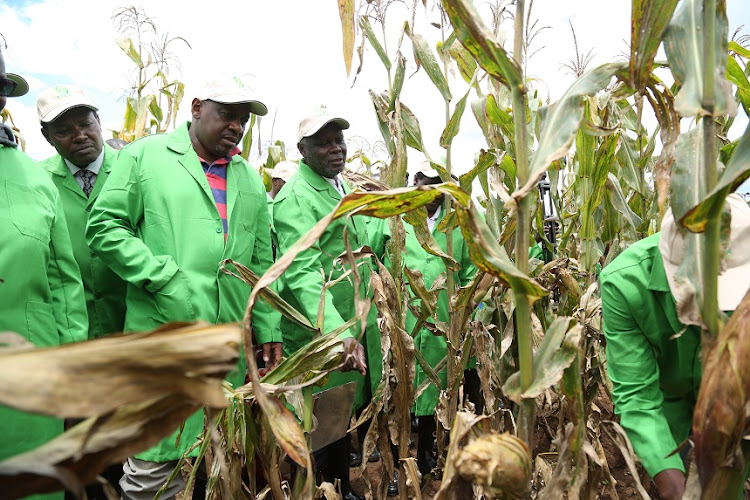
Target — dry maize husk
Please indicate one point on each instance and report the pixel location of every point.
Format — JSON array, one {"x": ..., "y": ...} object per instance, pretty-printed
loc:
[{"x": 499, "y": 463}]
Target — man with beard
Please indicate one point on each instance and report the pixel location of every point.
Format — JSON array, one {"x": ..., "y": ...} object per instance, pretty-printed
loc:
[
  {"x": 70, "y": 124},
  {"x": 40, "y": 284},
  {"x": 174, "y": 207},
  {"x": 310, "y": 195}
]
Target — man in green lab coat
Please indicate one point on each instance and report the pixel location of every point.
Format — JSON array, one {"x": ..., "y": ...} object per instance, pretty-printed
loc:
[
  {"x": 70, "y": 124},
  {"x": 173, "y": 207},
  {"x": 656, "y": 377},
  {"x": 433, "y": 347},
  {"x": 311, "y": 194},
  {"x": 40, "y": 286}
]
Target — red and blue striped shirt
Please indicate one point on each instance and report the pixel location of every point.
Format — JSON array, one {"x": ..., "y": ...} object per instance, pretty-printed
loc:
[{"x": 216, "y": 173}]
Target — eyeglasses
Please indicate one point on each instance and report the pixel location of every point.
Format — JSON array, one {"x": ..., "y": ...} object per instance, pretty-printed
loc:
[{"x": 7, "y": 86}]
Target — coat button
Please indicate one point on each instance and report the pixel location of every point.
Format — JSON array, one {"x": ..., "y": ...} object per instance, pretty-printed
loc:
[
  {"x": 93, "y": 255},
  {"x": 219, "y": 230}
]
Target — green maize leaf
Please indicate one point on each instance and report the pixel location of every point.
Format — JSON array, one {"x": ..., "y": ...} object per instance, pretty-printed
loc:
[
  {"x": 628, "y": 116},
  {"x": 737, "y": 76},
  {"x": 127, "y": 46},
  {"x": 649, "y": 21},
  {"x": 487, "y": 159},
  {"x": 617, "y": 198},
  {"x": 156, "y": 110},
  {"x": 346, "y": 13},
  {"x": 562, "y": 121},
  {"x": 628, "y": 158},
  {"x": 398, "y": 80},
  {"x": 556, "y": 352},
  {"x": 418, "y": 219},
  {"x": 739, "y": 49},
  {"x": 446, "y": 138},
  {"x": 500, "y": 117},
  {"x": 412, "y": 132},
  {"x": 683, "y": 43},
  {"x": 467, "y": 65},
  {"x": 142, "y": 110},
  {"x": 426, "y": 58},
  {"x": 128, "y": 126},
  {"x": 364, "y": 23},
  {"x": 735, "y": 173},
  {"x": 481, "y": 42},
  {"x": 322, "y": 353},
  {"x": 247, "y": 141}
]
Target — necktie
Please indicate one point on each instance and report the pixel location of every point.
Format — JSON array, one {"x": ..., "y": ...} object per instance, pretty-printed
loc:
[{"x": 87, "y": 179}]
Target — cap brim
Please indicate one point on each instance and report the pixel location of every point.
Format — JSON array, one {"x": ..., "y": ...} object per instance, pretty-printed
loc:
[
  {"x": 256, "y": 107},
  {"x": 733, "y": 285},
  {"x": 22, "y": 87},
  {"x": 55, "y": 113}
]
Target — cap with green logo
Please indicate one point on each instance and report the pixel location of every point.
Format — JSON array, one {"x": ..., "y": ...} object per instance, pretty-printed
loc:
[
  {"x": 58, "y": 99},
  {"x": 231, "y": 90}
]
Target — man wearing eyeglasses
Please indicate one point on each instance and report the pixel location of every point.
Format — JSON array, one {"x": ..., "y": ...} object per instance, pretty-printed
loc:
[{"x": 40, "y": 285}]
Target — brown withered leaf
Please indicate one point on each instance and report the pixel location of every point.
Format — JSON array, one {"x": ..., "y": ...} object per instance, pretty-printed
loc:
[
  {"x": 76, "y": 457},
  {"x": 720, "y": 420},
  {"x": 189, "y": 360}
]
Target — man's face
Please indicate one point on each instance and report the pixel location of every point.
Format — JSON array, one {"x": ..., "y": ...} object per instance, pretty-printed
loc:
[
  {"x": 325, "y": 152},
  {"x": 422, "y": 180},
  {"x": 217, "y": 128},
  {"x": 76, "y": 135}
]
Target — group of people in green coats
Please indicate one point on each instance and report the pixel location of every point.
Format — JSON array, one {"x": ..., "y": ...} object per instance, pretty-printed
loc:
[
  {"x": 97, "y": 240},
  {"x": 100, "y": 240}
]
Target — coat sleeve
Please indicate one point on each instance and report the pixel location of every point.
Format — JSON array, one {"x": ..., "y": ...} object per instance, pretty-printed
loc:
[
  {"x": 111, "y": 229},
  {"x": 304, "y": 278},
  {"x": 266, "y": 319},
  {"x": 68, "y": 299},
  {"x": 638, "y": 398}
]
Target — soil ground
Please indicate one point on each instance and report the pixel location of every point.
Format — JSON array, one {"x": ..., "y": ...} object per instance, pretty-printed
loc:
[{"x": 547, "y": 423}]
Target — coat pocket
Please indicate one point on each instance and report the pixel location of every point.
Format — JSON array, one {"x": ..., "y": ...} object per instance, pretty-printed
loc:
[
  {"x": 41, "y": 325},
  {"x": 30, "y": 212},
  {"x": 172, "y": 302}
]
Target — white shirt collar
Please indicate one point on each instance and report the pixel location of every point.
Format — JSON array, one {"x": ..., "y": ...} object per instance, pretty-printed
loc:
[
  {"x": 94, "y": 166},
  {"x": 337, "y": 183},
  {"x": 432, "y": 221}
]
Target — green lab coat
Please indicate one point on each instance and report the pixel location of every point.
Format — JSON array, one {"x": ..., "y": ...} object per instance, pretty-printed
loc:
[
  {"x": 155, "y": 223},
  {"x": 105, "y": 291},
  {"x": 40, "y": 286},
  {"x": 433, "y": 347},
  {"x": 655, "y": 379},
  {"x": 305, "y": 199}
]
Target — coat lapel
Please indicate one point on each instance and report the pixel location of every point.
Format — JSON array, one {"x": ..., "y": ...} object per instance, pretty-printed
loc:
[
  {"x": 69, "y": 182},
  {"x": 179, "y": 142},
  {"x": 109, "y": 160}
]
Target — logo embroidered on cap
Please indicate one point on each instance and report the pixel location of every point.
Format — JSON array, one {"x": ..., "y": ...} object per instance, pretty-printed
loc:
[{"x": 62, "y": 91}]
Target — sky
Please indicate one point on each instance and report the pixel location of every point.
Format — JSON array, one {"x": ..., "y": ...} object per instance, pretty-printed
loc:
[{"x": 290, "y": 52}]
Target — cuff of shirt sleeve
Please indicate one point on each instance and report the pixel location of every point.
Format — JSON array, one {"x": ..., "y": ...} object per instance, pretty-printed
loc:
[{"x": 266, "y": 337}]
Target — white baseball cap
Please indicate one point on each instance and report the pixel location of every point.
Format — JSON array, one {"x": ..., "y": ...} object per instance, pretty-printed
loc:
[
  {"x": 734, "y": 282},
  {"x": 283, "y": 170},
  {"x": 316, "y": 120},
  {"x": 231, "y": 90},
  {"x": 58, "y": 99}
]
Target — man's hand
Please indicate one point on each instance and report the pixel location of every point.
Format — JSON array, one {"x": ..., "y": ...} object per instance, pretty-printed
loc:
[
  {"x": 354, "y": 356},
  {"x": 670, "y": 483},
  {"x": 272, "y": 353}
]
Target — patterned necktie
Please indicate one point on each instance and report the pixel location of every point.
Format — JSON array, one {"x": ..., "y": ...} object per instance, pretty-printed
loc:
[{"x": 87, "y": 178}]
